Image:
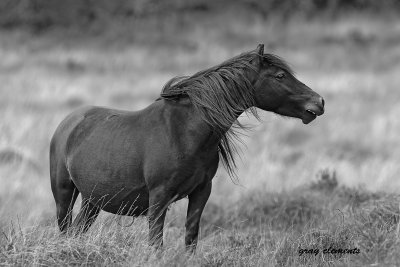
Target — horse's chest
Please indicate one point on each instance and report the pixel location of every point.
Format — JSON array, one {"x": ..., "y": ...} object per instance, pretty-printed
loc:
[
  {"x": 188, "y": 184},
  {"x": 193, "y": 174}
]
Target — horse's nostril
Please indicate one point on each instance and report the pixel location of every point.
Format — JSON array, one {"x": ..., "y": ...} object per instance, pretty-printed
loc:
[{"x": 322, "y": 101}]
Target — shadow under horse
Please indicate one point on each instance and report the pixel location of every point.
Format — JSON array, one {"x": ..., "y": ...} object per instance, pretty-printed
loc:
[{"x": 138, "y": 163}]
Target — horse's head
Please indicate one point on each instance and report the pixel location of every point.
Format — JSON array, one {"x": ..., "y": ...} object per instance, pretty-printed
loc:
[{"x": 277, "y": 90}]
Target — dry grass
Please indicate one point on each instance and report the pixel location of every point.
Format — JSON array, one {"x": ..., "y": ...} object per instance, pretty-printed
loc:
[
  {"x": 254, "y": 231},
  {"x": 352, "y": 62}
]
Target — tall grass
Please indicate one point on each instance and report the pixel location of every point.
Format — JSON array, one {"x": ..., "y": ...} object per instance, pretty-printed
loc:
[{"x": 254, "y": 231}]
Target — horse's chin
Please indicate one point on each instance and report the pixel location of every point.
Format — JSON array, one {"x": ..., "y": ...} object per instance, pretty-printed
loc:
[{"x": 307, "y": 118}]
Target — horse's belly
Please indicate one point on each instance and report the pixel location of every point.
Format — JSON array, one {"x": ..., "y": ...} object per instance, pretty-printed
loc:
[
  {"x": 134, "y": 204},
  {"x": 109, "y": 175},
  {"x": 123, "y": 201}
]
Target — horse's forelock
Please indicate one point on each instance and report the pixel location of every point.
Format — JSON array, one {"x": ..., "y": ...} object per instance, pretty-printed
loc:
[{"x": 278, "y": 62}]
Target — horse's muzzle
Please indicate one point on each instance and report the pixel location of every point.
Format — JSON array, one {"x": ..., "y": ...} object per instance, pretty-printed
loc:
[{"x": 313, "y": 109}]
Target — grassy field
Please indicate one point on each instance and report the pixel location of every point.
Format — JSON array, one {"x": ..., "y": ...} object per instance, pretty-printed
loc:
[{"x": 330, "y": 183}]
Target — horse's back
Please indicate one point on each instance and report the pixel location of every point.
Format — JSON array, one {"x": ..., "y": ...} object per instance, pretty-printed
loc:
[{"x": 79, "y": 122}]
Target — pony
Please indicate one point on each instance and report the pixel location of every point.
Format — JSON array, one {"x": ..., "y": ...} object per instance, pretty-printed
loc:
[{"x": 139, "y": 162}]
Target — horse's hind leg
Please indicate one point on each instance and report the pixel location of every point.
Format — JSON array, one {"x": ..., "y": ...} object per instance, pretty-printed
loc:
[
  {"x": 86, "y": 216},
  {"x": 65, "y": 194}
]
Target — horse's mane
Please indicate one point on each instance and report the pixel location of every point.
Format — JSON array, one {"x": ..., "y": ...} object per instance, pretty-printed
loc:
[{"x": 220, "y": 94}]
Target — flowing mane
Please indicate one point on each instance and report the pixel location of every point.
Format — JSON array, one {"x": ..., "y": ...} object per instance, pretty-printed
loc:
[{"x": 220, "y": 94}]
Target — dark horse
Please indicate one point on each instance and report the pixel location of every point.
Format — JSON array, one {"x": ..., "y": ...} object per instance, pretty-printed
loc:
[{"x": 138, "y": 163}]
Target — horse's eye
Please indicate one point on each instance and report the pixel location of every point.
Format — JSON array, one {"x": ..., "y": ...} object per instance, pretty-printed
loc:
[{"x": 280, "y": 76}]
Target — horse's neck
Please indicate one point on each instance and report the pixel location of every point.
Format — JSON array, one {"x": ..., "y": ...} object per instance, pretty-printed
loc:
[{"x": 185, "y": 122}]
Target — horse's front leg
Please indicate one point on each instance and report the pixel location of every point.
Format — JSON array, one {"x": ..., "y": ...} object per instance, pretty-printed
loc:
[
  {"x": 197, "y": 200},
  {"x": 159, "y": 200}
]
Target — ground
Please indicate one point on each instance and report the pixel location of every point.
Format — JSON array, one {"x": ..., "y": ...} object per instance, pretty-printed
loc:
[{"x": 330, "y": 183}]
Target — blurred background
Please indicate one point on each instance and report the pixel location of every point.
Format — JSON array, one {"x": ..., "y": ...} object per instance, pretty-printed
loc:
[{"x": 58, "y": 55}]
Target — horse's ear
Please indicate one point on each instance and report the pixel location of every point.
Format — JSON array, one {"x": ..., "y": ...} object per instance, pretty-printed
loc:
[
  {"x": 257, "y": 61},
  {"x": 260, "y": 49}
]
